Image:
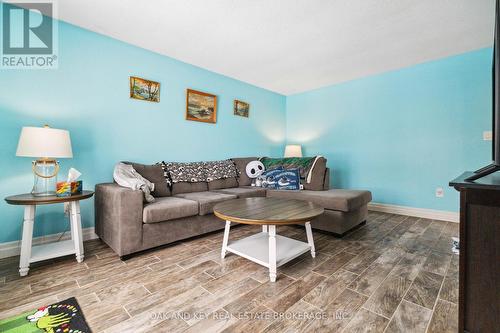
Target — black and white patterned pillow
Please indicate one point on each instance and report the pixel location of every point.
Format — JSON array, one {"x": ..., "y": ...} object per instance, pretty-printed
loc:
[
  {"x": 191, "y": 172},
  {"x": 215, "y": 170}
]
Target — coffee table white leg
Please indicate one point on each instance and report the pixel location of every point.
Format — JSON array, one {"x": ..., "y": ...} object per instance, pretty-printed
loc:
[
  {"x": 225, "y": 240},
  {"x": 310, "y": 239},
  {"x": 272, "y": 253},
  {"x": 264, "y": 228},
  {"x": 29, "y": 220},
  {"x": 76, "y": 229}
]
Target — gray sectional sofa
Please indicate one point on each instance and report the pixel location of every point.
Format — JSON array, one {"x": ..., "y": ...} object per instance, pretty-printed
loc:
[{"x": 183, "y": 210}]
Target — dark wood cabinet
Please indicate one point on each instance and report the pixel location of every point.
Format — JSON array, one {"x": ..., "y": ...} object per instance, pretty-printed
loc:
[{"x": 479, "y": 281}]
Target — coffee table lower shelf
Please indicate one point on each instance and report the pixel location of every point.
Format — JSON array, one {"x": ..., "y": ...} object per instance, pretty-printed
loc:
[
  {"x": 268, "y": 249},
  {"x": 256, "y": 248}
]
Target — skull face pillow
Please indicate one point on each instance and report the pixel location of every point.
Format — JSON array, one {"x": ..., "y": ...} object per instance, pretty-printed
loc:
[{"x": 254, "y": 169}]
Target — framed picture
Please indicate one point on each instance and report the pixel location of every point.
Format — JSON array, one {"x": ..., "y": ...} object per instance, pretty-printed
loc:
[
  {"x": 201, "y": 106},
  {"x": 145, "y": 90},
  {"x": 241, "y": 108}
]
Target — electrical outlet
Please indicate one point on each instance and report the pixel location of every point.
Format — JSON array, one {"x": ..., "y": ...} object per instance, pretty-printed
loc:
[
  {"x": 487, "y": 136},
  {"x": 439, "y": 192}
]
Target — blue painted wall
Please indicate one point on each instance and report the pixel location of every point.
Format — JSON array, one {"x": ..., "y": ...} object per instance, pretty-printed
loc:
[
  {"x": 89, "y": 96},
  {"x": 401, "y": 134}
]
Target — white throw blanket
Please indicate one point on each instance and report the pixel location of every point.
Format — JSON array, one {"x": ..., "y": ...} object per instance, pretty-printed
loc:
[{"x": 126, "y": 176}]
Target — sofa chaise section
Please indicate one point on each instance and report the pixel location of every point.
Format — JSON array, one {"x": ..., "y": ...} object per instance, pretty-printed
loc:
[
  {"x": 336, "y": 199},
  {"x": 344, "y": 209}
]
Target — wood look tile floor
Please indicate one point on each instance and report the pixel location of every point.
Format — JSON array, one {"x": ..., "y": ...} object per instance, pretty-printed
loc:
[{"x": 394, "y": 274}]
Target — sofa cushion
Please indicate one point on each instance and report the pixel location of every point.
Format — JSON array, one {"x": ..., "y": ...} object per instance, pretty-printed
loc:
[
  {"x": 335, "y": 199},
  {"x": 244, "y": 191},
  {"x": 155, "y": 174},
  {"x": 222, "y": 183},
  {"x": 241, "y": 164},
  {"x": 206, "y": 200},
  {"x": 187, "y": 187},
  {"x": 168, "y": 208}
]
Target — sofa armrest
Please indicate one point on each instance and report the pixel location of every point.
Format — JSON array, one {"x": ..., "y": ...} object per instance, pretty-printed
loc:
[{"x": 118, "y": 217}]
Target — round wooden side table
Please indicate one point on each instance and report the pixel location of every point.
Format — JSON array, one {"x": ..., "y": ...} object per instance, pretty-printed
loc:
[
  {"x": 31, "y": 254},
  {"x": 267, "y": 248}
]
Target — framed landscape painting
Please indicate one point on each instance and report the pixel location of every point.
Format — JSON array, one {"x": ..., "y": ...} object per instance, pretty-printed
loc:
[
  {"x": 201, "y": 106},
  {"x": 145, "y": 90},
  {"x": 241, "y": 108}
]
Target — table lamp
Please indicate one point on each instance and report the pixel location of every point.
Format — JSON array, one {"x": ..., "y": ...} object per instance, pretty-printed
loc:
[
  {"x": 293, "y": 151},
  {"x": 45, "y": 144}
]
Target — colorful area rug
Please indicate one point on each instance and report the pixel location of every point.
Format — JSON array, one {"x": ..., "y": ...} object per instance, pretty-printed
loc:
[{"x": 61, "y": 317}]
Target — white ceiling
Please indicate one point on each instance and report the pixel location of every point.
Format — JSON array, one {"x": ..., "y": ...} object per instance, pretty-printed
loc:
[{"x": 290, "y": 46}]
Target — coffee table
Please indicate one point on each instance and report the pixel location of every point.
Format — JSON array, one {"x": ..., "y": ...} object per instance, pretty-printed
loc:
[{"x": 266, "y": 248}]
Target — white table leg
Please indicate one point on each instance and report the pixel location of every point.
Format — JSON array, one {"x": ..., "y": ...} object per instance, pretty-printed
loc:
[
  {"x": 272, "y": 253},
  {"x": 225, "y": 240},
  {"x": 310, "y": 239},
  {"x": 76, "y": 229},
  {"x": 264, "y": 228},
  {"x": 29, "y": 220}
]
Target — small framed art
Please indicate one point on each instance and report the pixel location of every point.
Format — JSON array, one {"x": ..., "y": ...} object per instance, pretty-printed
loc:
[
  {"x": 201, "y": 106},
  {"x": 241, "y": 109},
  {"x": 145, "y": 90}
]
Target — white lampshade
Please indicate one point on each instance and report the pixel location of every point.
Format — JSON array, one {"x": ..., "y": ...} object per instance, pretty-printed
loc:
[
  {"x": 293, "y": 151},
  {"x": 44, "y": 142}
]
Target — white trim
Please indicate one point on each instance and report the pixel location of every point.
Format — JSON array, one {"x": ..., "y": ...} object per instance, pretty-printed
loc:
[
  {"x": 10, "y": 249},
  {"x": 417, "y": 212}
]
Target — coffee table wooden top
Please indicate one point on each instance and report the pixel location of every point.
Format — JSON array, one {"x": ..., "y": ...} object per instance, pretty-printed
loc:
[
  {"x": 267, "y": 211},
  {"x": 30, "y": 199}
]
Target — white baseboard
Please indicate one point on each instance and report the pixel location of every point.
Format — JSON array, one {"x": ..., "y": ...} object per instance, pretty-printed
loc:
[
  {"x": 11, "y": 249},
  {"x": 417, "y": 212}
]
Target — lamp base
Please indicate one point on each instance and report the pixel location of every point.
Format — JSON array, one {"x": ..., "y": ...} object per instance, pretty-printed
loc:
[{"x": 45, "y": 177}]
